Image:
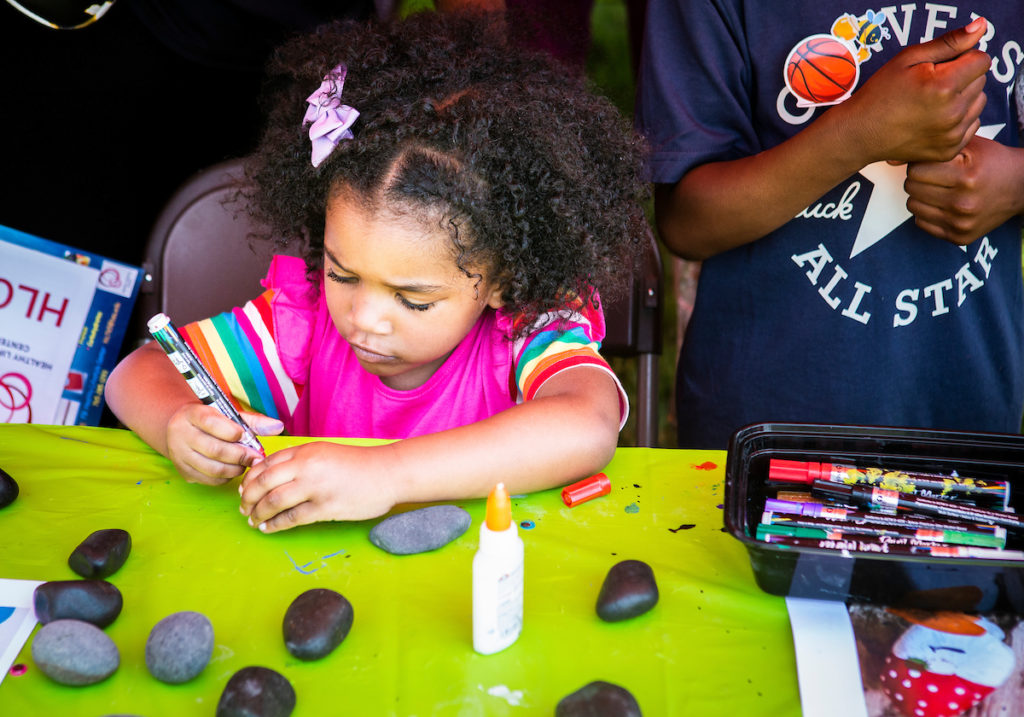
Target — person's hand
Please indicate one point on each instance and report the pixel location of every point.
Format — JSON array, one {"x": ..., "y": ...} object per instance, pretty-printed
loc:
[
  {"x": 925, "y": 103},
  {"x": 203, "y": 443},
  {"x": 314, "y": 482},
  {"x": 964, "y": 198}
]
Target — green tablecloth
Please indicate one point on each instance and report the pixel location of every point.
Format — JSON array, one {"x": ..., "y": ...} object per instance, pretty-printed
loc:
[{"x": 714, "y": 645}]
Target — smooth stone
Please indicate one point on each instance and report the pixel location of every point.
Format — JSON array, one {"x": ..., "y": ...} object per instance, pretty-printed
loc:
[
  {"x": 598, "y": 699},
  {"x": 179, "y": 647},
  {"x": 75, "y": 653},
  {"x": 8, "y": 489},
  {"x": 256, "y": 692},
  {"x": 101, "y": 554},
  {"x": 629, "y": 590},
  {"x": 316, "y": 622},
  {"x": 95, "y": 601},
  {"x": 418, "y": 531}
]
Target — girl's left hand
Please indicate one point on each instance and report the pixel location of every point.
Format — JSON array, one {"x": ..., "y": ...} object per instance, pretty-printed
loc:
[{"x": 314, "y": 482}]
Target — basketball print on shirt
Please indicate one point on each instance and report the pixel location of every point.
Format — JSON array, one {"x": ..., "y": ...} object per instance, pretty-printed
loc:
[{"x": 823, "y": 69}]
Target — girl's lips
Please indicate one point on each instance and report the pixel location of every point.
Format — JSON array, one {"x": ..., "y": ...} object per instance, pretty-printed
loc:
[{"x": 368, "y": 356}]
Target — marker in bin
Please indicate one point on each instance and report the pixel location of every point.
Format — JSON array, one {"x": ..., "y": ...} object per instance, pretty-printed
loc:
[{"x": 198, "y": 378}]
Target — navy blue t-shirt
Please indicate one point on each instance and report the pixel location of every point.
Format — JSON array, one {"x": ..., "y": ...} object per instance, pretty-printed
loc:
[{"x": 849, "y": 313}]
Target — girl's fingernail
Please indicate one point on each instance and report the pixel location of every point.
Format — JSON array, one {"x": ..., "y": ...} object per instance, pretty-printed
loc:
[
  {"x": 249, "y": 521},
  {"x": 263, "y": 527},
  {"x": 240, "y": 488},
  {"x": 241, "y": 510}
]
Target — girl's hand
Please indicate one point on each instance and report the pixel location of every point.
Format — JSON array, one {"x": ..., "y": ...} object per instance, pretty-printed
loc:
[
  {"x": 203, "y": 443},
  {"x": 317, "y": 481}
]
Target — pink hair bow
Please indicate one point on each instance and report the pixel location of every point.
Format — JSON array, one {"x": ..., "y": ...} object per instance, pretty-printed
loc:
[{"x": 329, "y": 121}]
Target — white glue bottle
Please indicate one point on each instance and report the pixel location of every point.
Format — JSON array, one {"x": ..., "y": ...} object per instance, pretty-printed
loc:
[{"x": 497, "y": 578}]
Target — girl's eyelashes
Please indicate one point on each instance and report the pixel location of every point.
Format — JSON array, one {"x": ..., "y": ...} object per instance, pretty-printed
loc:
[
  {"x": 409, "y": 305},
  {"x": 334, "y": 276}
]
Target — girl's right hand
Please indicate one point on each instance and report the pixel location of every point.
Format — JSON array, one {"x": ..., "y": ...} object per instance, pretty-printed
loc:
[{"x": 203, "y": 443}]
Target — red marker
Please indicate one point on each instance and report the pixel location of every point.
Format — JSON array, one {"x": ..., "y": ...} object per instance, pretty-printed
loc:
[
  {"x": 584, "y": 490},
  {"x": 991, "y": 494}
]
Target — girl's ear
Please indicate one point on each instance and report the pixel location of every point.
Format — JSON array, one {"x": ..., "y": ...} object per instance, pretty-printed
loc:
[{"x": 494, "y": 299}]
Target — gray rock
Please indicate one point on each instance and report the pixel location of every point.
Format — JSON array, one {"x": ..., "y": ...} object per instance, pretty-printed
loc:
[
  {"x": 8, "y": 489},
  {"x": 95, "y": 601},
  {"x": 73, "y": 652},
  {"x": 101, "y": 554},
  {"x": 316, "y": 622},
  {"x": 257, "y": 692},
  {"x": 629, "y": 590},
  {"x": 598, "y": 699},
  {"x": 179, "y": 647},
  {"x": 419, "y": 531}
]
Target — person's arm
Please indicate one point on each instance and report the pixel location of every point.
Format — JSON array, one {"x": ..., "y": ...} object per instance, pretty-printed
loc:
[
  {"x": 148, "y": 395},
  {"x": 923, "y": 105},
  {"x": 568, "y": 431},
  {"x": 963, "y": 199}
]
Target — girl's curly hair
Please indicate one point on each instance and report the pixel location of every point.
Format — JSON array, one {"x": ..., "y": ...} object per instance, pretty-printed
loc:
[{"x": 536, "y": 178}]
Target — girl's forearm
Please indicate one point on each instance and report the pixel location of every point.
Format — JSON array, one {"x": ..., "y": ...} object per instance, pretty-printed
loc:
[
  {"x": 551, "y": 440},
  {"x": 144, "y": 390}
]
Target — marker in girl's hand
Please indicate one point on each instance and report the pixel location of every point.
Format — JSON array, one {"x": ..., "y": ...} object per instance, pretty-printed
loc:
[{"x": 198, "y": 378}]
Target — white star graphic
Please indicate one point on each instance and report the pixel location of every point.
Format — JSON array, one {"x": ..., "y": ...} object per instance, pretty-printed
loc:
[{"x": 887, "y": 205}]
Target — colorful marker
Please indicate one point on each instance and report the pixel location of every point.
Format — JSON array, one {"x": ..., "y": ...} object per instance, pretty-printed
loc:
[
  {"x": 990, "y": 494},
  {"x": 810, "y": 527},
  {"x": 891, "y": 500},
  {"x": 903, "y": 520},
  {"x": 887, "y": 547},
  {"x": 197, "y": 377}
]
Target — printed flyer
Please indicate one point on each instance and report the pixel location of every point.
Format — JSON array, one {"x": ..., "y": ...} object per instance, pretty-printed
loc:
[{"x": 63, "y": 317}]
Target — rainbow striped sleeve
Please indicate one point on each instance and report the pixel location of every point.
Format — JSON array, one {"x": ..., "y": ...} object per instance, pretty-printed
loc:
[
  {"x": 239, "y": 350},
  {"x": 559, "y": 342}
]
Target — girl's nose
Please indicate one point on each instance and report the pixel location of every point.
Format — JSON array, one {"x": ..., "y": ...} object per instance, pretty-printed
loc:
[{"x": 369, "y": 313}]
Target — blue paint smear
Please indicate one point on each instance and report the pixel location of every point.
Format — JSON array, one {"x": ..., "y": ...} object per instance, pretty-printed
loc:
[
  {"x": 527, "y": 525},
  {"x": 632, "y": 508}
]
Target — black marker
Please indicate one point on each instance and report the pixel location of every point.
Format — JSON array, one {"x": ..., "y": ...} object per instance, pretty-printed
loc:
[{"x": 891, "y": 500}]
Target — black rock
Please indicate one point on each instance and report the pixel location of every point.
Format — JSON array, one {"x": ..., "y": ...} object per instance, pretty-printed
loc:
[
  {"x": 101, "y": 554},
  {"x": 598, "y": 699},
  {"x": 73, "y": 652},
  {"x": 8, "y": 489},
  {"x": 256, "y": 692},
  {"x": 629, "y": 590},
  {"x": 316, "y": 622},
  {"x": 94, "y": 601},
  {"x": 179, "y": 647},
  {"x": 418, "y": 531}
]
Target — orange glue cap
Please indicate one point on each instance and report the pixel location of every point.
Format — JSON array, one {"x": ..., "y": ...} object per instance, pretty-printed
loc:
[
  {"x": 584, "y": 490},
  {"x": 499, "y": 509}
]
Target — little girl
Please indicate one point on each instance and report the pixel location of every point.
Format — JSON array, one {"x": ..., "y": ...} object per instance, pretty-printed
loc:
[{"x": 459, "y": 199}]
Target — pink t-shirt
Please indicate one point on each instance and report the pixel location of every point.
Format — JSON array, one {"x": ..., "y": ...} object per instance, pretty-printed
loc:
[{"x": 281, "y": 355}]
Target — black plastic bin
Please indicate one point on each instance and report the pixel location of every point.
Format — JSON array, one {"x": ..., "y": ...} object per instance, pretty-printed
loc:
[{"x": 973, "y": 584}]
